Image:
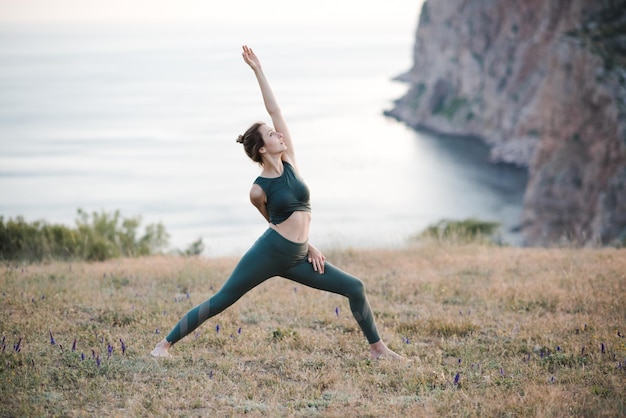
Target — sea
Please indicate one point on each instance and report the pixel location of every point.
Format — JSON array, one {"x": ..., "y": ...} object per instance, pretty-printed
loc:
[{"x": 143, "y": 117}]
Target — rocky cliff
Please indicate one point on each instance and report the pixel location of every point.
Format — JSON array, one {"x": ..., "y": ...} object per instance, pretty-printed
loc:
[{"x": 543, "y": 82}]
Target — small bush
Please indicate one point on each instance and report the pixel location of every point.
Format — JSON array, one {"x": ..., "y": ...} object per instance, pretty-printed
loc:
[
  {"x": 96, "y": 237},
  {"x": 464, "y": 231},
  {"x": 194, "y": 249}
]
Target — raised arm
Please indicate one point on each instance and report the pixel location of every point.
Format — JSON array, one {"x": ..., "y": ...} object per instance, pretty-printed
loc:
[{"x": 271, "y": 105}]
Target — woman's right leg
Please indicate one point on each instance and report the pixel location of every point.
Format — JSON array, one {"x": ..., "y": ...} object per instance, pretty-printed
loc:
[{"x": 256, "y": 266}]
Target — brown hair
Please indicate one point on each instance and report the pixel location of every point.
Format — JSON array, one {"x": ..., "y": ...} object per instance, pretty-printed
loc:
[{"x": 252, "y": 141}]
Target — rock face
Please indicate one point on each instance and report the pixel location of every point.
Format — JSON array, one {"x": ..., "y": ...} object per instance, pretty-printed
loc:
[{"x": 543, "y": 82}]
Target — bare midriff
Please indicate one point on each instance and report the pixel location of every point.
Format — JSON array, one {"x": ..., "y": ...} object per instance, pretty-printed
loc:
[{"x": 295, "y": 228}]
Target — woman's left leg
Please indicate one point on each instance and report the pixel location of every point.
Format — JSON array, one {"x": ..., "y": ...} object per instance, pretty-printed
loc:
[{"x": 337, "y": 281}]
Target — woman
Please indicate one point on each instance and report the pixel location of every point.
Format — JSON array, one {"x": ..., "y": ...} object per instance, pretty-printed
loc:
[{"x": 283, "y": 250}]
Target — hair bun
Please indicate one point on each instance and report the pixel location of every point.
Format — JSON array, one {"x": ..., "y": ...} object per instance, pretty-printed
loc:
[{"x": 240, "y": 139}]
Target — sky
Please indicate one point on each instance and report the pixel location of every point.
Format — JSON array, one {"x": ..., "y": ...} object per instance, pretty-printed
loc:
[{"x": 273, "y": 11}]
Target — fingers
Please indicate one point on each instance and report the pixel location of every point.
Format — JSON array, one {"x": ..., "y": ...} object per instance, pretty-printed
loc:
[
  {"x": 318, "y": 265},
  {"x": 316, "y": 259},
  {"x": 321, "y": 261},
  {"x": 249, "y": 57},
  {"x": 247, "y": 50}
]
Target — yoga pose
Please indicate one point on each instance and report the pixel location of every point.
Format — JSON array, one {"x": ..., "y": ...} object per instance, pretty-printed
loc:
[{"x": 282, "y": 197}]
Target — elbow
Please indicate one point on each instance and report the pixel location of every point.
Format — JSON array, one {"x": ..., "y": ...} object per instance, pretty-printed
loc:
[{"x": 274, "y": 111}]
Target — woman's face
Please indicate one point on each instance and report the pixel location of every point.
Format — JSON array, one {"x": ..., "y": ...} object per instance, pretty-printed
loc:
[{"x": 273, "y": 140}]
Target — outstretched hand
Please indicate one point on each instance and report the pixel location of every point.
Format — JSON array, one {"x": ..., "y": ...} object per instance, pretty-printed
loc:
[{"x": 250, "y": 58}]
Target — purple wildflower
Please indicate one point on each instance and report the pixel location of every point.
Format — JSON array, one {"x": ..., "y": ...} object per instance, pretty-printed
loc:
[
  {"x": 405, "y": 340},
  {"x": 457, "y": 377},
  {"x": 188, "y": 295},
  {"x": 603, "y": 348},
  {"x": 18, "y": 347},
  {"x": 459, "y": 361},
  {"x": 501, "y": 372},
  {"x": 239, "y": 331},
  {"x": 211, "y": 374},
  {"x": 123, "y": 346},
  {"x": 552, "y": 379},
  {"x": 98, "y": 361},
  {"x": 337, "y": 311},
  {"x": 52, "y": 338},
  {"x": 156, "y": 331},
  {"x": 109, "y": 350},
  {"x": 217, "y": 328},
  {"x": 558, "y": 348},
  {"x": 82, "y": 356},
  {"x": 74, "y": 345}
]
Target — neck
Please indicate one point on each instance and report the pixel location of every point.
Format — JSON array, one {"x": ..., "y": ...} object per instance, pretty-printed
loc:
[{"x": 273, "y": 167}]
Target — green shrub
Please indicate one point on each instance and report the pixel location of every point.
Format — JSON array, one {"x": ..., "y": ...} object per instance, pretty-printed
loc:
[
  {"x": 463, "y": 231},
  {"x": 96, "y": 237},
  {"x": 195, "y": 248}
]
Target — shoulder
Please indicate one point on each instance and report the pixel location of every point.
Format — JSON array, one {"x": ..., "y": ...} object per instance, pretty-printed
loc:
[
  {"x": 290, "y": 165},
  {"x": 257, "y": 195}
]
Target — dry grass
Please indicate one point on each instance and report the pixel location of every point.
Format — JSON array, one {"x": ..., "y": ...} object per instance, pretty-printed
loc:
[{"x": 528, "y": 332}]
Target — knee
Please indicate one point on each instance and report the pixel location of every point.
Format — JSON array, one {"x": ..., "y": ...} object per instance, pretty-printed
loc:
[{"x": 356, "y": 290}]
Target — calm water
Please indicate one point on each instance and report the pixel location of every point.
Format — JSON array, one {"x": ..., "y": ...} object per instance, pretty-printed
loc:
[{"x": 144, "y": 119}]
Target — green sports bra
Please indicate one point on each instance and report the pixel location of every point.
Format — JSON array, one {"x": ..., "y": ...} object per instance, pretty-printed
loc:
[{"x": 285, "y": 194}]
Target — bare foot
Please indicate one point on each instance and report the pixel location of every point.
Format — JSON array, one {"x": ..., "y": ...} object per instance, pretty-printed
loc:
[
  {"x": 161, "y": 349},
  {"x": 379, "y": 351}
]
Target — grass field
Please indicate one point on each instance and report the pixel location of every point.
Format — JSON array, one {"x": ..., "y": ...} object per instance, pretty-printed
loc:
[{"x": 490, "y": 331}]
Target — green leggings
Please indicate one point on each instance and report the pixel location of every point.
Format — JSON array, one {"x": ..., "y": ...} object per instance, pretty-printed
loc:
[{"x": 273, "y": 255}]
